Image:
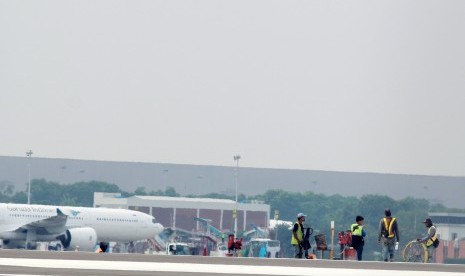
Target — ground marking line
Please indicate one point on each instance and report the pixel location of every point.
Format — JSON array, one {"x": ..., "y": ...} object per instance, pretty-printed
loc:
[{"x": 209, "y": 268}]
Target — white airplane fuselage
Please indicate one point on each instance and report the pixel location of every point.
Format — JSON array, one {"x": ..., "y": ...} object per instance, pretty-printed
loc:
[{"x": 45, "y": 223}]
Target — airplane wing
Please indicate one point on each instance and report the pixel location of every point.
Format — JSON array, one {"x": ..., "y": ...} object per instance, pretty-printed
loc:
[{"x": 51, "y": 225}]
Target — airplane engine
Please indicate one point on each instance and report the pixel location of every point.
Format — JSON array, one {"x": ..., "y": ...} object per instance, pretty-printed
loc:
[{"x": 82, "y": 239}]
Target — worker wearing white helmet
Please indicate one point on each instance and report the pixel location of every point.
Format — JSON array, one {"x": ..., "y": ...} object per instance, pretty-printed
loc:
[{"x": 298, "y": 235}]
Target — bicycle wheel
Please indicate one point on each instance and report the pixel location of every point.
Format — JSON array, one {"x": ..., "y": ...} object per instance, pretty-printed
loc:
[{"x": 415, "y": 252}]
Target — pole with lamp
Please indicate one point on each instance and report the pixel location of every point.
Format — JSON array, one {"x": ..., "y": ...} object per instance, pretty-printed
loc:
[
  {"x": 276, "y": 218},
  {"x": 165, "y": 177},
  {"x": 29, "y": 154},
  {"x": 236, "y": 158}
]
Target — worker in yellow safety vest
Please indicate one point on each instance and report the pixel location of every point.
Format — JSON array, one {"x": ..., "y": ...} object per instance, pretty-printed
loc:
[
  {"x": 388, "y": 236},
  {"x": 430, "y": 239},
  {"x": 298, "y": 235},
  {"x": 358, "y": 235}
]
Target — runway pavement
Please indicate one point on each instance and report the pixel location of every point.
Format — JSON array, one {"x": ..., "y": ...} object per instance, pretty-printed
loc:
[{"x": 23, "y": 262}]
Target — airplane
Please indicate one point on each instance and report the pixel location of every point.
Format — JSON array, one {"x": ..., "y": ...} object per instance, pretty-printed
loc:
[{"x": 77, "y": 228}]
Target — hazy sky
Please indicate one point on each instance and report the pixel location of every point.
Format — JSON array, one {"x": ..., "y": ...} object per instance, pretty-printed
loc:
[{"x": 375, "y": 86}]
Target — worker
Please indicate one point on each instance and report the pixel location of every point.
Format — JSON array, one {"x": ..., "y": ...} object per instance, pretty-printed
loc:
[
  {"x": 388, "y": 236},
  {"x": 358, "y": 235},
  {"x": 430, "y": 239},
  {"x": 298, "y": 235}
]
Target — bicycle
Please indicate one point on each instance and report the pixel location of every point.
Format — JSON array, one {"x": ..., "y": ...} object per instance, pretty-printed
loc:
[{"x": 415, "y": 252}]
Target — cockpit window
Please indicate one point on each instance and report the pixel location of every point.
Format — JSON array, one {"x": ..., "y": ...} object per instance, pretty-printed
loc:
[{"x": 154, "y": 220}]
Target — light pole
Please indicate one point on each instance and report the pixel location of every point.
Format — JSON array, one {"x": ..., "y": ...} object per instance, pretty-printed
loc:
[
  {"x": 236, "y": 158},
  {"x": 165, "y": 177},
  {"x": 29, "y": 154}
]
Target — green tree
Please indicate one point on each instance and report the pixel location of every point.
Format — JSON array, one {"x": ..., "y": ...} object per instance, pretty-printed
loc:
[
  {"x": 170, "y": 191},
  {"x": 7, "y": 188},
  {"x": 18, "y": 197},
  {"x": 140, "y": 191},
  {"x": 46, "y": 192},
  {"x": 82, "y": 193}
]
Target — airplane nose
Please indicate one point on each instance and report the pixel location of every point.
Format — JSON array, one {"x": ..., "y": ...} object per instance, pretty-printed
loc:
[{"x": 157, "y": 229}]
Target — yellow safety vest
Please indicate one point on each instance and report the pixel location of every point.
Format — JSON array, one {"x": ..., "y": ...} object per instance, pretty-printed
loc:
[
  {"x": 389, "y": 227},
  {"x": 358, "y": 231},
  {"x": 300, "y": 234},
  {"x": 430, "y": 241}
]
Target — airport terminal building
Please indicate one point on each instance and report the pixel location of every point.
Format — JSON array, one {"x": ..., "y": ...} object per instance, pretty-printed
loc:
[{"x": 180, "y": 212}]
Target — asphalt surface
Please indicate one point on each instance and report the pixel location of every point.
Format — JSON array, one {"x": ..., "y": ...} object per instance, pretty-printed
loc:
[{"x": 18, "y": 254}]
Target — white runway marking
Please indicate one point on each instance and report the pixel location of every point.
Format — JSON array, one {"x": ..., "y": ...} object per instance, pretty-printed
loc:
[
  {"x": 19, "y": 275},
  {"x": 210, "y": 268}
]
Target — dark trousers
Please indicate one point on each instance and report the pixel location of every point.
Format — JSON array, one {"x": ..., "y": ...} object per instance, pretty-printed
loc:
[
  {"x": 359, "y": 252},
  {"x": 298, "y": 252}
]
